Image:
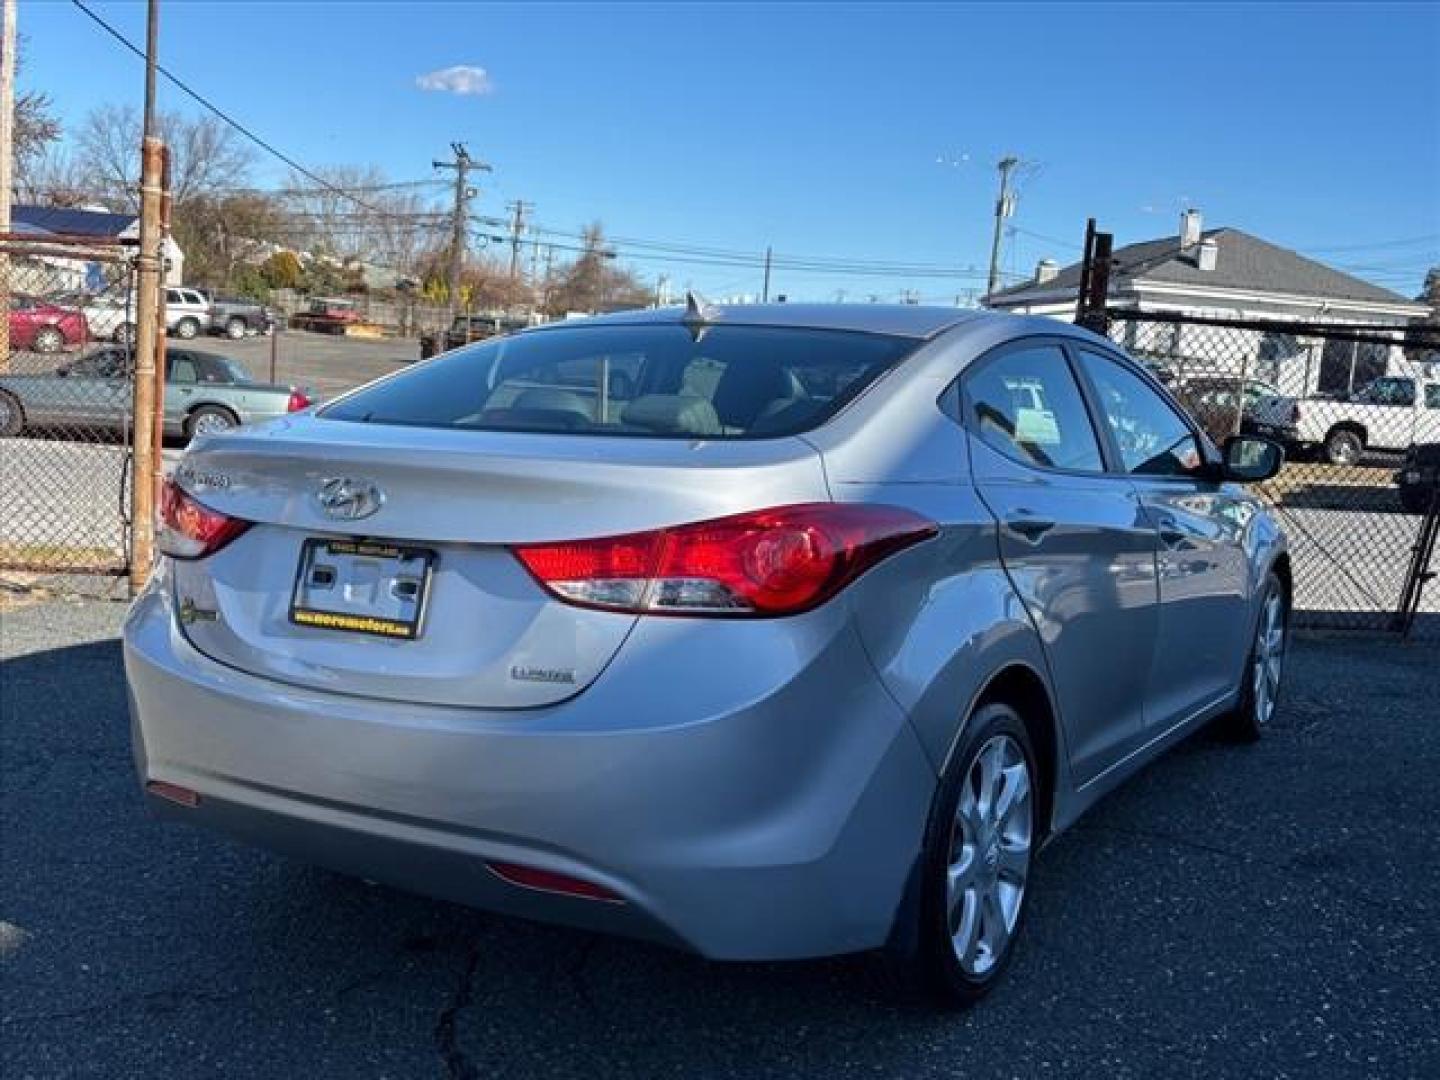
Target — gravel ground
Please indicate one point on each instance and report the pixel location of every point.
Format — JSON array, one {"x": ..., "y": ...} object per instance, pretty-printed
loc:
[{"x": 1248, "y": 912}]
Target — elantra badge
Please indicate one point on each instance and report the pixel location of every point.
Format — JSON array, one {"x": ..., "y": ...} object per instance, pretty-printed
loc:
[{"x": 349, "y": 500}]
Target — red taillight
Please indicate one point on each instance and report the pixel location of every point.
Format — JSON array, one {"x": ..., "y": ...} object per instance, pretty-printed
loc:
[
  {"x": 768, "y": 562},
  {"x": 187, "y": 529},
  {"x": 298, "y": 400}
]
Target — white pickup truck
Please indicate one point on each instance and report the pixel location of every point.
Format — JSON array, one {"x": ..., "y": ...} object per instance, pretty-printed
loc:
[{"x": 1391, "y": 413}]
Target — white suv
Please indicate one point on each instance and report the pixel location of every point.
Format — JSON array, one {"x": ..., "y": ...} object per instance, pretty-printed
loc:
[{"x": 187, "y": 312}]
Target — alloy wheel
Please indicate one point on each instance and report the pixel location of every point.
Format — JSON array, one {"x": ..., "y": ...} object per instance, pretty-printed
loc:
[
  {"x": 48, "y": 340},
  {"x": 211, "y": 423},
  {"x": 989, "y": 855},
  {"x": 1269, "y": 658}
]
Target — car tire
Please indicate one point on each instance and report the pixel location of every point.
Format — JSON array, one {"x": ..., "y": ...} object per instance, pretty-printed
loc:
[
  {"x": 12, "y": 416},
  {"x": 976, "y": 863},
  {"x": 125, "y": 334},
  {"x": 187, "y": 328},
  {"x": 49, "y": 339},
  {"x": 209, "y": 420},
  {"x": 235, "y": 328},
  {"x": 1261, "y": 681},
  {"x": 1344, "y": 446}
]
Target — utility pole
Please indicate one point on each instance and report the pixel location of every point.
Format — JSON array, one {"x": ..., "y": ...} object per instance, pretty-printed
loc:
[
  {"x": 148, "y": 318},
  {"x": 765, "y": 296},
  {"x": 519, "y": 208},
  {"x": 1004, "y": 207},
  {"x": 7, "y": 165},
  {"x": 463, "y": 164}
]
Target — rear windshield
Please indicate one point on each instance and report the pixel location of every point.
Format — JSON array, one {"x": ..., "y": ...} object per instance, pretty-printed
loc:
[{"x": 722, "y": 382}]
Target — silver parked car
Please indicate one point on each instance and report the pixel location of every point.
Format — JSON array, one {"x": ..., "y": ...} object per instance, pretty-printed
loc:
[
  {"x": 767, "y": 632},
  {"x": 204, "y": 394}
]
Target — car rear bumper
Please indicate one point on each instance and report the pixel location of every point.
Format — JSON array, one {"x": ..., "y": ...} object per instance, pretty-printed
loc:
[{"x": 765, "y": 819}]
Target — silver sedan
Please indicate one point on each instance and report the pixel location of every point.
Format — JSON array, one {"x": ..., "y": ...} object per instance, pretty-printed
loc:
[{"x": 766, "y": 632}]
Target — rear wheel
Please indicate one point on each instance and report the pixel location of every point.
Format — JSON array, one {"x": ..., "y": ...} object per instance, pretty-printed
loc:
[
  {"x": 125, "y": 334},
  {"x": 1264, "y": 667},
  {"x": 187, "y": 328},
  {"x": 976, "y": 862},
  {"x": 210, "y": 420},
  {"x": 235, "y": 328},
  {"x": 12, "y": 420},
  {"x": 1344, "y": 446},
  {"x": 49, "y": 339}
]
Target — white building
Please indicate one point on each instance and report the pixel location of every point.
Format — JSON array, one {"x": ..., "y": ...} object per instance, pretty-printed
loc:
[
  {"x": 1227, "y": 273},
  {"x": 99, "y": 224}
]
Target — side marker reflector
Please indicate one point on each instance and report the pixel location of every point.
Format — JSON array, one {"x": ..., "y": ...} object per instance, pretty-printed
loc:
[
  {"x": 548, "y": 881},
  {"x": 173, "y": 793}
]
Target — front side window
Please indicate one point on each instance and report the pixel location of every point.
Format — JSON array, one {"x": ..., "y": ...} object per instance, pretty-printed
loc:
[
  {"x": 1152, "y": 438},
  {"x": 665, "y": 381},
  {"x": 1025, "y": 403}
]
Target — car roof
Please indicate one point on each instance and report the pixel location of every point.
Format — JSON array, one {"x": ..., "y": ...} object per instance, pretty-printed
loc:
[{"x": 896, "y": 320}]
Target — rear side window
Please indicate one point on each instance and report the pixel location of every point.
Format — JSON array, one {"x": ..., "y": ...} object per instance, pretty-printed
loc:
[
  {"x": 1025, "y": 403},
  {"x": 721, "y": 382}
]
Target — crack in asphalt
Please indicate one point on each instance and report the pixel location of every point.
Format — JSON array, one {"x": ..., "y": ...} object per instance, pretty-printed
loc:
[
  {"x": 457, "y": 1065},
  {"x": 162, "y": 1001}
]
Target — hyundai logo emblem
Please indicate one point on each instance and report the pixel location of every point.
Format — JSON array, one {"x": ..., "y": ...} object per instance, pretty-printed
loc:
[{"x": 347, "y": 499}]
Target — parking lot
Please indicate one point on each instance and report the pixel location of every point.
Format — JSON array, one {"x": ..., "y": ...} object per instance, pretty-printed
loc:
[{"x": 1263, "y": 911}]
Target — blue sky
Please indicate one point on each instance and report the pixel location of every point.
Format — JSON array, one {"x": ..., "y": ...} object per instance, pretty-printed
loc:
[{"x": 857, "y": 130}]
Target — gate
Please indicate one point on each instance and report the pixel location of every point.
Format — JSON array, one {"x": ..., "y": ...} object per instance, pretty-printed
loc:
[
  {"x": 1358, "y": 409},
  {"x": 66, "y": 398}
]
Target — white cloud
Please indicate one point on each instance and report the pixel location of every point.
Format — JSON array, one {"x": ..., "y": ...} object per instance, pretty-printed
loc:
[{"x": 460, "y": 79}]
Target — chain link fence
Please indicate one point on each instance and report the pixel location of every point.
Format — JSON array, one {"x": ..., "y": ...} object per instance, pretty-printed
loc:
[
  {"x": 1358, "y": 410},
  {"x": 66, "y": 393}
]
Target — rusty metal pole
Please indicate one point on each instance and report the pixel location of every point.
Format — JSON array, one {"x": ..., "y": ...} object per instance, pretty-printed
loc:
[
  {"x": 7, "y": 162},
  {"x": 147, "y": 304},
  {"x": 157, "y": 461}
]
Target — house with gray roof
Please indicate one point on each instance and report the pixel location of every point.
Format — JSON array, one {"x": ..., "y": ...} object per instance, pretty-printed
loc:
[
  {"x": 1228, "y": 273},
  {"x": 41, "y": 221}
]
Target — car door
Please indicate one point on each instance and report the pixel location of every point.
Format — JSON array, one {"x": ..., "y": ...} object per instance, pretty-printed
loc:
[
  {"x": 94, "y": 391},
  {"x": 1199, "y": 522},
  {"x": 1074, "y": 540},
  {"x": 182, "y": 374}
]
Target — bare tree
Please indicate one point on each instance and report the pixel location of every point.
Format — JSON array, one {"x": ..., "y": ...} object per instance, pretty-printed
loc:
[
  {"x": 362, "y": 215},
  {"x": 593, "y": 282},
  {"x": 36, "y": 127},
  {"x": 206, "y": 157}
]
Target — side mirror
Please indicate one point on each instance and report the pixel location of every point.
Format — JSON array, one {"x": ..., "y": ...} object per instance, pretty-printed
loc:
[{"x": 1249, "y": 459}]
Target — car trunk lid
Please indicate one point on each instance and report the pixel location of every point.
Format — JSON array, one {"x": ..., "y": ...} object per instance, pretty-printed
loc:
[{"x": 488, "y": 635}]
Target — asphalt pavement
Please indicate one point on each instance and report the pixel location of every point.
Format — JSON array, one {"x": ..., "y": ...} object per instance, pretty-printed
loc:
[{"x": 1266, "y": 911}]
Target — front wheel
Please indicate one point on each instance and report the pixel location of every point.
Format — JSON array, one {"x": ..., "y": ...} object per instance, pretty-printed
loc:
[
  {"x": 976, "y": 862},
  {"x": 125, "y": 334},
  {"x": 1344, "y": 447},
  {"x": 1264, "y": 666},
  {"x": 187, "y": 328}
]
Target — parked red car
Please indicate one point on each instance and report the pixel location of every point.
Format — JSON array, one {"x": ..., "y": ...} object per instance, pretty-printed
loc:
[{"x": 43, "y": 327}]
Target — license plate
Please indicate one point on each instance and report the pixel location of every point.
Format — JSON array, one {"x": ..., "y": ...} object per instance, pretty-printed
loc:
[{"x": 363, "y": 587}]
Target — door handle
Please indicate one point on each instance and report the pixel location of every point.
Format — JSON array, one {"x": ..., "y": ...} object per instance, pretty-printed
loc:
[
  {"x": 1028, "y": 527},
  {"x": 1171, "y": 534}
]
